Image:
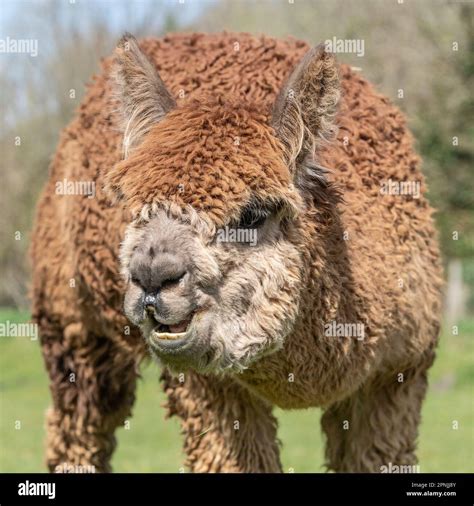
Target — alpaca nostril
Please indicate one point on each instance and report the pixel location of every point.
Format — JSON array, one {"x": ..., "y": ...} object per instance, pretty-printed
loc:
[{"x": 173, "y": 280}]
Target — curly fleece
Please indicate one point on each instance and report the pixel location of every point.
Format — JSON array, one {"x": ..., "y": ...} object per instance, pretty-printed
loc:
[{"x": 385, "y": 273}]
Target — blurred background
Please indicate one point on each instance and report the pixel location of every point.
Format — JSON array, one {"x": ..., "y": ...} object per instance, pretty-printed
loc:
[{"x": 420, "y": 53}]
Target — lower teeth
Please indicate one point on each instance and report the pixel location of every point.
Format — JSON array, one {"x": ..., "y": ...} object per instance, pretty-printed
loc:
[{"x": 169, "y": 335}]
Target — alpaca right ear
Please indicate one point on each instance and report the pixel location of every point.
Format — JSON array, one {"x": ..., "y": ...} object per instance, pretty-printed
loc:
[{"x": 142, "y": 94}]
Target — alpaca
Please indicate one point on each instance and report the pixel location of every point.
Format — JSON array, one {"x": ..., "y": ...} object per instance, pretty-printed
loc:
[{"x": 241, "y": 232}]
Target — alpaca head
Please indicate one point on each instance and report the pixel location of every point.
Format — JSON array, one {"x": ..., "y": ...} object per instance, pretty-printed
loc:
[{"x": 213, "y": 258}]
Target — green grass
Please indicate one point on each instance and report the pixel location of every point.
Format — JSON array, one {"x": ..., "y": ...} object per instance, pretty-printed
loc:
[{"x": 153, "y": 444}]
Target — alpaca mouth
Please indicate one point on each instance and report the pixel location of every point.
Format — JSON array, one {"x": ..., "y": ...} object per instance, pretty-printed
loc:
[{"x": 171, "y": 331}]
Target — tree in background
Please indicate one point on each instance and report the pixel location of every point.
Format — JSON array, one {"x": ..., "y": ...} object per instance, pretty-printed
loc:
[
  {"x": 446, "y": 138},
  {"x": 39, "y": 96}
]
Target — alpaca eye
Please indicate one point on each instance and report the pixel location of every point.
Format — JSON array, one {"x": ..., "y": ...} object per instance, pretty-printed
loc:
[{"x": 251, "y": 218}]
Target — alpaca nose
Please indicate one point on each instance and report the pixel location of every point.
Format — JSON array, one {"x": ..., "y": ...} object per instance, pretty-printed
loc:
[{"x": 165, "y": 270}]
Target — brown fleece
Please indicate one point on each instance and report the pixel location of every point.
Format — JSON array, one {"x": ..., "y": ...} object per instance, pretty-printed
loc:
[
  {"x": 371, "y": 259},
  {"x": 185, "y": 168}
]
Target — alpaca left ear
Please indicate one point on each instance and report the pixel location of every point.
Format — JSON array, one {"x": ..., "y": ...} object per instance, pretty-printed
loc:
[
  {"x": 143, "y": 97},
  {"x": 304, "y": 111}
]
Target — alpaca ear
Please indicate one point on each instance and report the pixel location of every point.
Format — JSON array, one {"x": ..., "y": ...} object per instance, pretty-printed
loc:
[
  {"x": 304, "y": 110},
  {"x": 143, "y": 97}
]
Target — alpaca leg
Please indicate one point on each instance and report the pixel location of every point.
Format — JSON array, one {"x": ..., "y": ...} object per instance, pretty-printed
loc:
[
  {"x": 93, "y": 389},
  {"x": 226, "y": 428},
  {"x": 376, "y": 426}
]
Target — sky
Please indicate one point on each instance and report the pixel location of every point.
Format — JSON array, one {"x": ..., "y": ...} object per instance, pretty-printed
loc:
[
  {"x": 33, "y": 20},
  {"x": 14, "y": 14}
]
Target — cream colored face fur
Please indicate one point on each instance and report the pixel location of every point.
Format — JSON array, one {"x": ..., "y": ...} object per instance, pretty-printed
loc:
[{"x": 227, "y": 303}]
